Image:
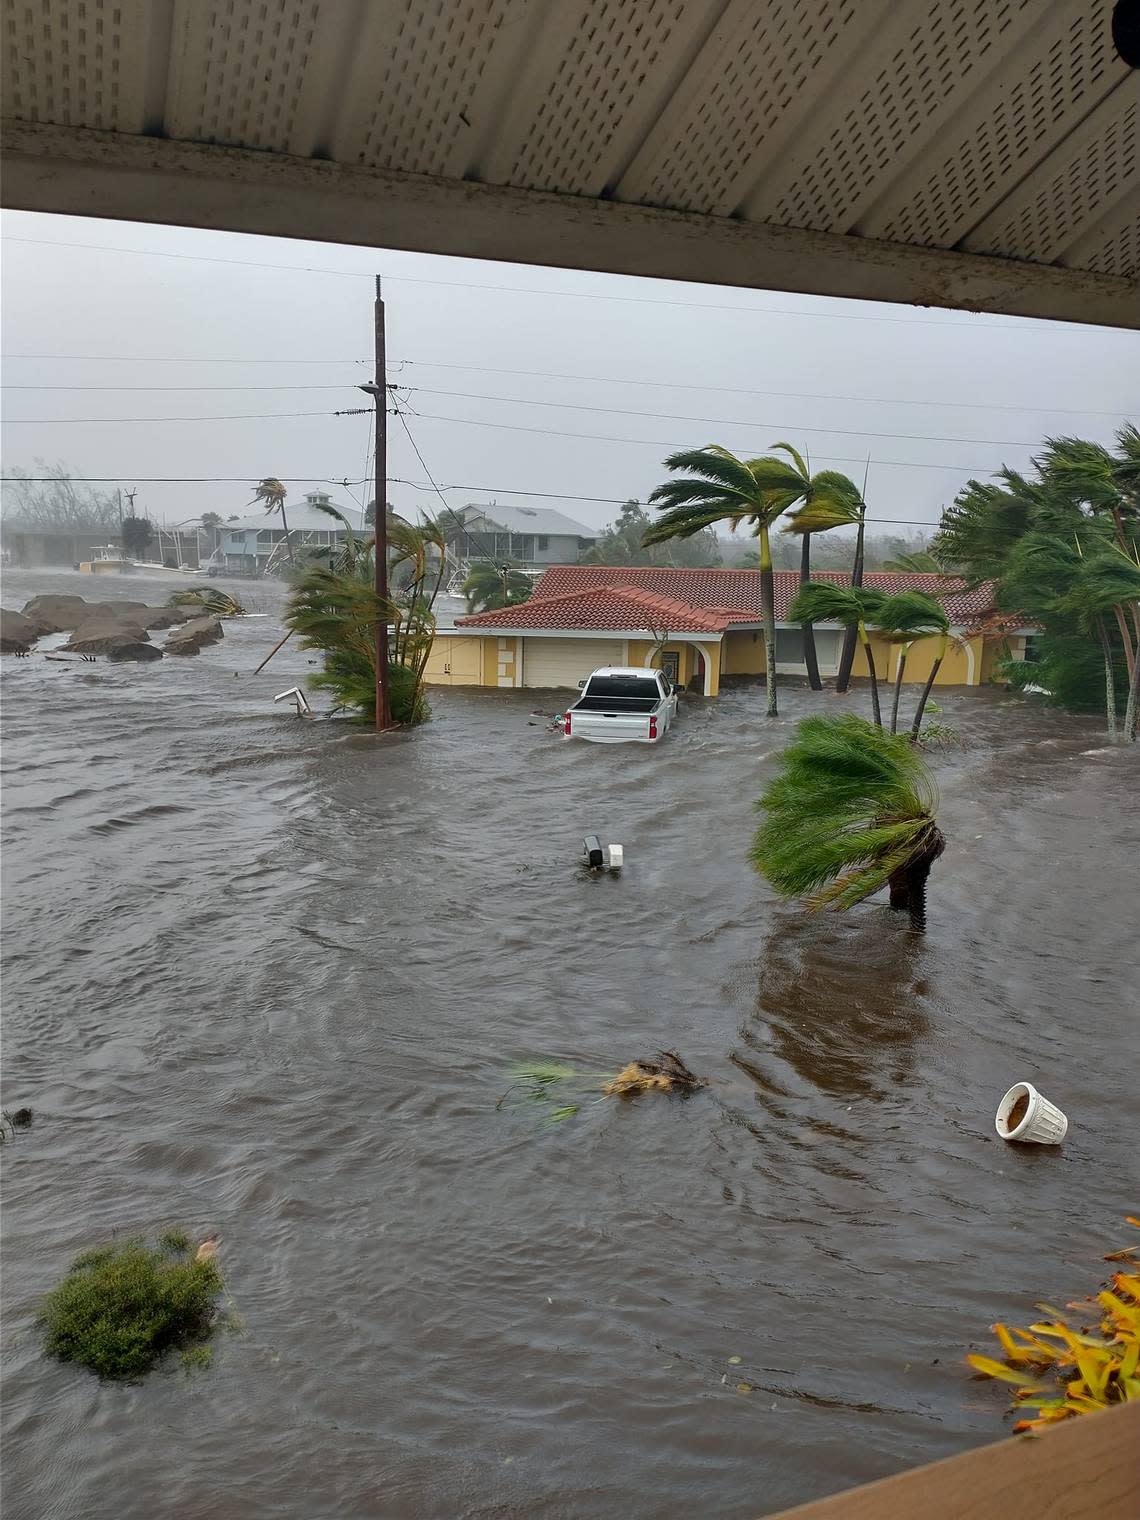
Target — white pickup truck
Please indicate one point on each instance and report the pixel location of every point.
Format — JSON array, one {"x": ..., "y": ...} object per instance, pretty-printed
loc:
[{"x": 622, "y": 706}]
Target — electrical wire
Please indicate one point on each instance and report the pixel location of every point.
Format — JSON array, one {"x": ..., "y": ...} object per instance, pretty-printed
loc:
[
  {"x": 658, "y": 443},
  {"x": 396, "y": 480},
  {"x": 488, "y": 369},
  {"x": 775, "y": 427}
]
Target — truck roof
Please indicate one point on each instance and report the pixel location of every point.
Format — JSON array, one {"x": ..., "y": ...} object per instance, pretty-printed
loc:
[{"x": 625, "y": 670}]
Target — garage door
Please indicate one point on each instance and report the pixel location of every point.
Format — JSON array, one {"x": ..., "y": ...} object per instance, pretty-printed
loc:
[
  {"x": 565, "y": 662},
  {"x": 454, "y": 662}
]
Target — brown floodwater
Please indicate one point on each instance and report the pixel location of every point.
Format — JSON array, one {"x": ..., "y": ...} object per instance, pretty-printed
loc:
[{"x": 267, "y": 977}]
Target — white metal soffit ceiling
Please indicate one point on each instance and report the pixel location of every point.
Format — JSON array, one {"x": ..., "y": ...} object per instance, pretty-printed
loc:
[{"x": 968, "y": 153}]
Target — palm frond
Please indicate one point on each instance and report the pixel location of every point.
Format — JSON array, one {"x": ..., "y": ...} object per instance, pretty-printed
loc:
[
  {"x": 849, "y": 806},
  {"x": 820, "y": 602},
  {"x": 909, "y": 614}
]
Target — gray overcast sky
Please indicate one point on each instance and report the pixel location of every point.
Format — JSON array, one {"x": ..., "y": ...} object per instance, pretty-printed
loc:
[{"x": 837, "y": 378}]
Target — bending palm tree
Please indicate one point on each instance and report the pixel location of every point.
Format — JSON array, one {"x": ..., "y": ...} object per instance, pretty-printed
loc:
[
  {"x": 271, "y": 494},
  {"x": 903, "y": 618},
  {"x": 915, "y": 562},
  {"x": 1108, "y": 582},
  {"x": 490, "y": 586},
  {"x": 719, "y": 487},
  {"x": 820, "y": 603},
  {"x": 852, "y": 809},
  {"x": 830, "y": 500}
]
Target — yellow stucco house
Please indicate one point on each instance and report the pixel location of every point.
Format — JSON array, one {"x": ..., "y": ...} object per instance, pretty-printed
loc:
[{"x": 699, "y": 625}]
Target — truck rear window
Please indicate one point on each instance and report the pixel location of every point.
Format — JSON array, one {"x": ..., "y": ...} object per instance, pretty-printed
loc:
[{"x": 621, "y": 688}]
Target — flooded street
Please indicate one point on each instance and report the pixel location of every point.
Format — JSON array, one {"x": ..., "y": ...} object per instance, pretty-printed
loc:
[{"x": 267, "y": 977}]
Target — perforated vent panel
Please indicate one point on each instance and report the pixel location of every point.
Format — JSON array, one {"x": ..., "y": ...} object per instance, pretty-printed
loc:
[
  {"x": 943, "y": 53},
  {"x": 712, "y": 148},
  {"x": 415, "y": 80},
  {"x": 1120, "y": 254},
  {"x": 75, "y": 63},
  {"x": 1069, "y": 198},
  {"x": 1057, "y": 80},
  {"x": 239, "y": 69},
  {"x": 595, "y": 86}
]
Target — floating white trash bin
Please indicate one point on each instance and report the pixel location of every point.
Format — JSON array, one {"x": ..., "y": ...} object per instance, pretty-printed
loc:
[{"x": 1023, "y": 1114}]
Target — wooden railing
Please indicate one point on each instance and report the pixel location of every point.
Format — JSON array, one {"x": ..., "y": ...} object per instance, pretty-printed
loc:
[{"x": 1083, "y": 1469}]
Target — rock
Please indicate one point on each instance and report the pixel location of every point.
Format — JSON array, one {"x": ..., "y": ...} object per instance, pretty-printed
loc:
[
  {"x": 163, "y": 617},
  {"x": 56, "y": 614},
  {"x": 135, "y": 651},
  {"x": 17, "y": 633},
  {"x": 191, "y": 638},
  {"x": 102, "y": 632}
]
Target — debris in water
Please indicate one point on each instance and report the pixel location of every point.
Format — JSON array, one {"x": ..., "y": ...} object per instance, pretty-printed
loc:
[
  {"x": 549, "y": 1084},
  {"x": 667, "y": 1074}
]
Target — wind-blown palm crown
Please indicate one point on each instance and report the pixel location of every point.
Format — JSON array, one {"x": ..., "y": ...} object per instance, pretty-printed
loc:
[
  {"x": 903, "y": 618},
  {"x": 828, "y": 500},
  {"x": 854, "y": 607},
  {"x": 850, "y": 810},
  {"x": 718, "y": 487}
]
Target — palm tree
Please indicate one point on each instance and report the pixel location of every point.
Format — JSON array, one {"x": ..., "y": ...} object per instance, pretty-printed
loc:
[
  {"x": 851, "y": 809},
  {"x": 1108, "y": 582},
  {"x": 851, "y": 606},
  {"x": 490, "y": 586},
  {"x": 830, "y": 500},
  {"x": 1090, "y": 476},
  {"x": 270, "y": 493},
  {"x": 916, "y": 562},
  {"x": 903, "y": 618},
  {"x": 719, "y": 487}
]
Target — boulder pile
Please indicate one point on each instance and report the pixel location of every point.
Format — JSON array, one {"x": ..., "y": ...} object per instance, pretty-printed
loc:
[{"x": 118, "y": 630}]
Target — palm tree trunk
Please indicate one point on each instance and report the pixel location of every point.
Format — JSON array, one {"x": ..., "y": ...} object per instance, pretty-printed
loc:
[
  {"x": 1126, "y": 639},
  {"x": 847, "y": 658},
  {"x": 1109, "y": 680},
  {"x": 866, "y": 642},
  {"x": 908, "y": 884},
  {"x": 810, "y": 659},
  {"x": 288, "y": 540},
  {"x": 926, "y": 690},
  {"x": 768, "y": 617},
  {"x": 1133, "y": 700},
  {"x": 904, "y": 650}
]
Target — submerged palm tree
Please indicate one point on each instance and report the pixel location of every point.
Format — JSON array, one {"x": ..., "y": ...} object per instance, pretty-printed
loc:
[
  {"x": 851, "y": 606},
  {"x": 270, "y": 493},
  {"x": 903, "y": 618},
  {"x": 718, "y": 487},
  {"x": 830, "y": 500},
  {"x": 491, "y": 586},
  {"x": 851, "y": 810}
]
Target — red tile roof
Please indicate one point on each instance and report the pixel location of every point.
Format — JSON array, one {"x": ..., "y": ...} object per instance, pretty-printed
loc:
[{"x": 627, "y": 597}]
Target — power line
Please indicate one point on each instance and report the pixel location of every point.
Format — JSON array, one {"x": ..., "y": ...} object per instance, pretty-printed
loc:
[
  {"x": 530, "y": 374},
  {"x": 775, "y": 427},
  {"x": 415, "y": 485},
  {"x": 579, "y": 295},
  {"x": 229, "y": 417},
  {"x": 659, "y": 443}
]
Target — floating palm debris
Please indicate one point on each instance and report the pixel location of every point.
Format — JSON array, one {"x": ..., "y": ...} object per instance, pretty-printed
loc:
[{"x": 554, "y": 1086}]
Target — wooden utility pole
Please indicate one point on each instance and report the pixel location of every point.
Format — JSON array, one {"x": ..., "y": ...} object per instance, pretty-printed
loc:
[{"x": 378, "y": 390}]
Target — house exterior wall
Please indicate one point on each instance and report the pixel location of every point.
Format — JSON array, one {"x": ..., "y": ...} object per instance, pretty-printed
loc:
[
  {"x": 961, "y": 666},
  {"x": 744, "y": 655},
  {"x": 472, "y": 660},
  {"x": 687, "y": 654}
]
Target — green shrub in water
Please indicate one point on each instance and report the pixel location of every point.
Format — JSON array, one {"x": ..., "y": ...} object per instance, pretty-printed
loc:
[{"x": 122, "y": 1307}]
